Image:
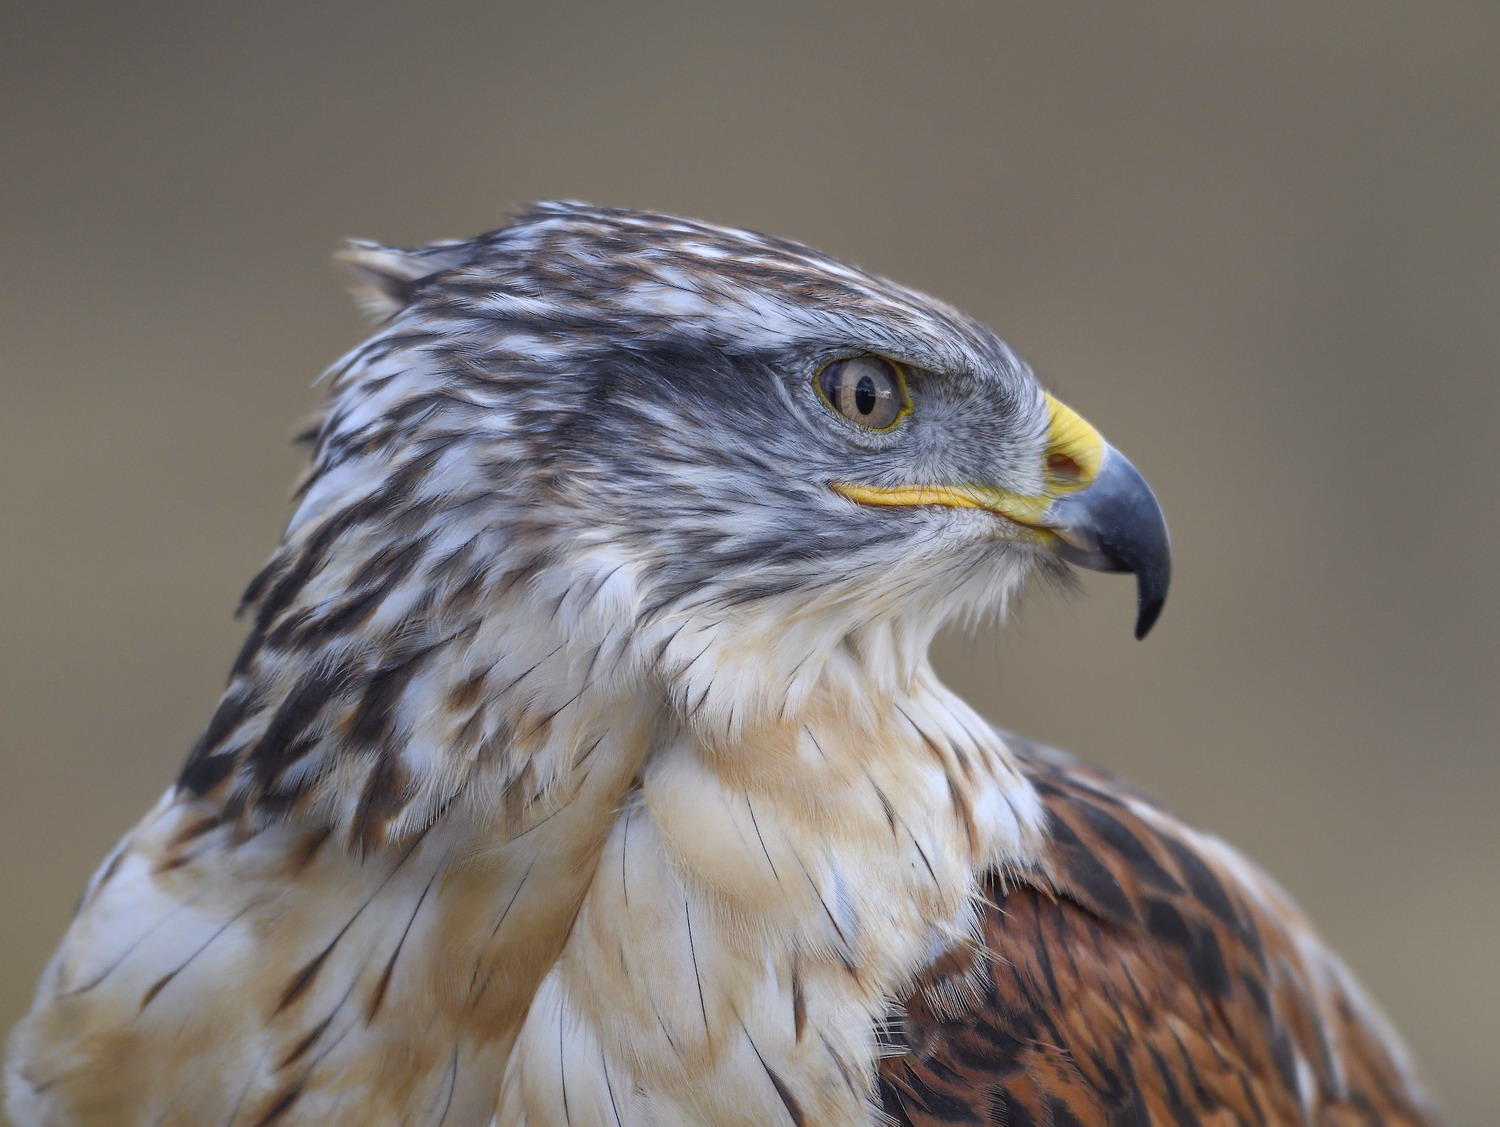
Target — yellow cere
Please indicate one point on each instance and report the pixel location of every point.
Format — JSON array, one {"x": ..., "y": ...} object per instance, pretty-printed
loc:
[{"x": 1073, "y": 437}]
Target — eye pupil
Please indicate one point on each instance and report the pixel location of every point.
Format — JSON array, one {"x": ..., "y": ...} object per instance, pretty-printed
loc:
[{"x": 868, "y": 390}]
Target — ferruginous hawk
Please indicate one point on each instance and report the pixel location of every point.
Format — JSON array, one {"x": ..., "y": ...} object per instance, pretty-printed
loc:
[{"x": 584, "y": 764}]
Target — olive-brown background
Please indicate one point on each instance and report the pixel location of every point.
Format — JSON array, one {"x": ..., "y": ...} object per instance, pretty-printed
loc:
[{"x": 1255, "y": 243}]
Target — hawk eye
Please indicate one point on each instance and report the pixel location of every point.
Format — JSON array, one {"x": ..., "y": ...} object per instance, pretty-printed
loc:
[{"x": 868, "y": 390}]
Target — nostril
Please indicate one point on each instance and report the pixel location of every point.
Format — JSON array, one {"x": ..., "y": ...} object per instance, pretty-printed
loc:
[{"x": 1060, "y": 467}]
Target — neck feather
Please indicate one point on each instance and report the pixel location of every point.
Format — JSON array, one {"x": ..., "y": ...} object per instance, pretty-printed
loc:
[{"x": 715, "y": 847}]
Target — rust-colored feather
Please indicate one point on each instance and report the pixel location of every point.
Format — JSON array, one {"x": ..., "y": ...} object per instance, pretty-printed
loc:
[{"x": 1141, "y": 974}]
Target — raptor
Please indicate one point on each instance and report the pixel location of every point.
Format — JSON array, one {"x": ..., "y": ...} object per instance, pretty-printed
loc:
[{"x": 584, "y": 764}]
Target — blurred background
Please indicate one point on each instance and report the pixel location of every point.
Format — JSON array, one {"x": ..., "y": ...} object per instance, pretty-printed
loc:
[{"x": 1256, "y": 243}]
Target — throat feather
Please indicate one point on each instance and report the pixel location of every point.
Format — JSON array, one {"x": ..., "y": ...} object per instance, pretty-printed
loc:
[{"x": 755, "y": 906}]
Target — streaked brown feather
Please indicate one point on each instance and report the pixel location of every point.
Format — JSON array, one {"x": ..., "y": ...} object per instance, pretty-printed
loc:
[{"x": 1135, "y": 978}]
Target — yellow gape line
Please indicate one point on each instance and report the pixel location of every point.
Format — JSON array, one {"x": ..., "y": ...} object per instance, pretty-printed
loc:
[
  {"x": 1023, "y": 510},
  {"x": 1075, "y": 454}
]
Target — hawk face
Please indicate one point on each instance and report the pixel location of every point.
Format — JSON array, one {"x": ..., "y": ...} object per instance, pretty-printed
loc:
[
  {"x": 730, "y": 472},
  {"x": 677, "y": 423}
]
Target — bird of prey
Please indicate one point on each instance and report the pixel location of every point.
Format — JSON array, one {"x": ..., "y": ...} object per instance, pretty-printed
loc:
[{"x": 584, "y": 764}]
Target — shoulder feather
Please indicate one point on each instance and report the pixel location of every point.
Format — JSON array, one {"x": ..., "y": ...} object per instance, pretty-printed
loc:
[{"x": 1141, "y": 973}]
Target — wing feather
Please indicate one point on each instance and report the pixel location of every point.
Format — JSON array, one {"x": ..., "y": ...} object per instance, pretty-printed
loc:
[{"x": 1143, "y": 973}]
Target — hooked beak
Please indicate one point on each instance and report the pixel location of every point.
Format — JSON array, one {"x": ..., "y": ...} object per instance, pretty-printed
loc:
[
  {"x": 1116, "y": 524},
  {"x": 1097, "y": 510}
]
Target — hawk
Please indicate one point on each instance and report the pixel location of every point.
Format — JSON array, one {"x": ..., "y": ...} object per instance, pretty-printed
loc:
[{"x": 584, "y": 765}]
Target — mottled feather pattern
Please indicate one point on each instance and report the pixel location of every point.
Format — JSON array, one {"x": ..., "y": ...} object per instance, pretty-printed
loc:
[
  {"x": 584, "y": 764},
  {"x": 467, "y": 457}
]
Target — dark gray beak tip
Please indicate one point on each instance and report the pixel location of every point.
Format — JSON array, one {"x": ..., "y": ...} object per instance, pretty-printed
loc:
[{"x": 1151, "y": 595}]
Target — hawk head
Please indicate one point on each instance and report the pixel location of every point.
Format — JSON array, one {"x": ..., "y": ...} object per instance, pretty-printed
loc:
[
  {"x": 734, "y": 419},
  {"x": 674, "y": 457}
]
